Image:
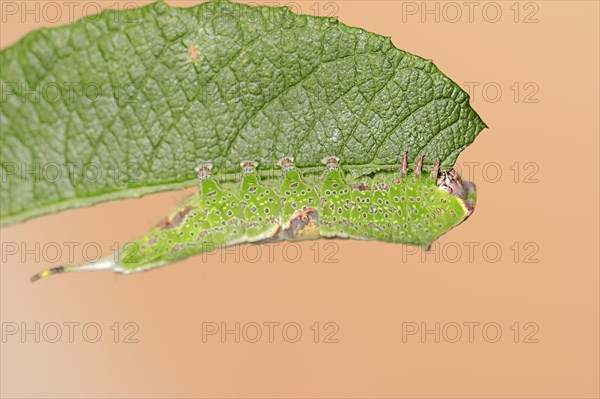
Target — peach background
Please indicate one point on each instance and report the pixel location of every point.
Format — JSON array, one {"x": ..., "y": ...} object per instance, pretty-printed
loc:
[{"x": 375, "y": 287}]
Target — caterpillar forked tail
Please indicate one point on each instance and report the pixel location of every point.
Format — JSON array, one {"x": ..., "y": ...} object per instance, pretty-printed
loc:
[{"x": 105, "y": 264}]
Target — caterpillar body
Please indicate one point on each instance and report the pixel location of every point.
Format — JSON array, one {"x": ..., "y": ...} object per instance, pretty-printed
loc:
[{"x": 397, "y": 207}]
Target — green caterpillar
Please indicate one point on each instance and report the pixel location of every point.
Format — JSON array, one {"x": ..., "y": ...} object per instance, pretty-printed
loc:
[{"x": 396, "y": 207}]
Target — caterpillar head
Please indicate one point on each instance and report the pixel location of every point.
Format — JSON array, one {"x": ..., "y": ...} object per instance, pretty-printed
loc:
[{"x": 452, "y": 183}]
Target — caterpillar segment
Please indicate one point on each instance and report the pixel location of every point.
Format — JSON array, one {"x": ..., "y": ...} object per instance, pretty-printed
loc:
[
  {"x": 334, "y": 210},
  {"x": 299, "y": 204},
  {"x": 260, "y": 206},
  {"x": 399, "y": 207}
]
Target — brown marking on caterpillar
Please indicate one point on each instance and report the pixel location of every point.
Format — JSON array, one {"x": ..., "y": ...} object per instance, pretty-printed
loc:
[
  {"x": 177, "y": 219},
  {"x": 163, "y": 224},
  {"x": 359, "y": 186},
  {"x": 235, "y": 222},
  {"x": 303, "y": 225},
  {"x": 381, "y": 187}
]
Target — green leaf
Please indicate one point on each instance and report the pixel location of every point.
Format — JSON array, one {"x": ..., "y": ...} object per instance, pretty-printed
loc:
[{"x": 129, "y": 102}]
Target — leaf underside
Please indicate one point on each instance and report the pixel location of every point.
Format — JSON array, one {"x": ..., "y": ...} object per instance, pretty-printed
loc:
[{"x": 129, "y": 102}]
